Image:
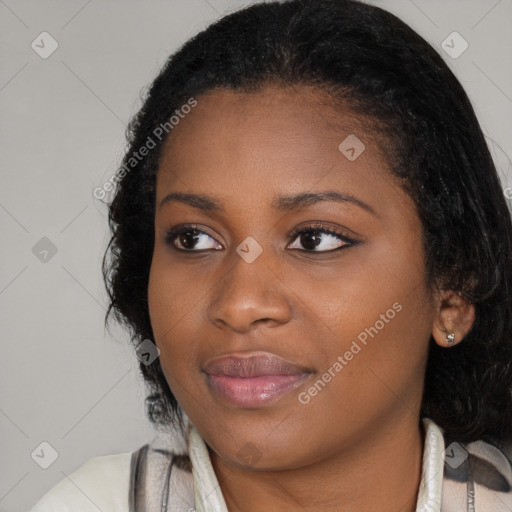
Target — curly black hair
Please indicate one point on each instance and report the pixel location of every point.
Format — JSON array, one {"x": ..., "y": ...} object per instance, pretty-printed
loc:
[{"x": 367, "y": 58}]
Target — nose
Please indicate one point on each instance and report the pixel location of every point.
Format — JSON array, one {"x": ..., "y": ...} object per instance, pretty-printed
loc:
[{"x": 249, "y": 294}]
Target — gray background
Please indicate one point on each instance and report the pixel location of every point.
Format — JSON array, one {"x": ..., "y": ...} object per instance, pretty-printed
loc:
[{"x": 64, "y": 380}]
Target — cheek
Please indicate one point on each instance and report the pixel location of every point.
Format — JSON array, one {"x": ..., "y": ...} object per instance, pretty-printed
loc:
[
  {"x": 353, "y": 297},
  {"x": 380, "y": 316},
  {"x": 372, "y": 367},
  {"x": 174, "y": 293},
  {"x": 170, "y": 307},
  {"x": 173, "y": 302}
]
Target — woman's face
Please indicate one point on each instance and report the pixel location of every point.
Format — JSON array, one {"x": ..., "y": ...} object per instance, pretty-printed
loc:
[{"x": 286, "y": 348}]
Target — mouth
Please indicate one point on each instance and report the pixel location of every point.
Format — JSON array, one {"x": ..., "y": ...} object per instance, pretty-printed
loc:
[{"x": 254, "y": 380}]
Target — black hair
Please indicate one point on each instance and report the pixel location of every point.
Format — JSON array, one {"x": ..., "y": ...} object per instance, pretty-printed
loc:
[{"x": 368, "y": 59}]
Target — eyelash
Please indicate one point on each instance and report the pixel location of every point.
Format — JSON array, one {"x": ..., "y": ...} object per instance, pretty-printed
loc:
[{"x": 319, "y": 228}]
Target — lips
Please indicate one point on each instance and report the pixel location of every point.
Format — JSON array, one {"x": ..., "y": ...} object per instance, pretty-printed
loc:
[
  {"x": 254, "y": 365},
  {"x": 253, "y": 380}
]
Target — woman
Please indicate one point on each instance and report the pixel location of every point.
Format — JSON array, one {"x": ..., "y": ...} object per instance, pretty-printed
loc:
[{"x": 309, "y": 227}]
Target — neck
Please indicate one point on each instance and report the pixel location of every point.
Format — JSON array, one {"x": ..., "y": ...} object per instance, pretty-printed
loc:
[{"x": 380, "y": 472}]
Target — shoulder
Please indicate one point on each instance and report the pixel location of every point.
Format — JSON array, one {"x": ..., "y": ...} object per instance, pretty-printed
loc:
[
  {"x": 101, "y": 483},
  {"x": 492, "y": 473},
  {"x": 483, "y": 478}
]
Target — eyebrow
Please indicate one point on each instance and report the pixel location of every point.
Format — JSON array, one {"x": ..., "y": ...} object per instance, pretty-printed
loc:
[{"x": 280, "y": 203}]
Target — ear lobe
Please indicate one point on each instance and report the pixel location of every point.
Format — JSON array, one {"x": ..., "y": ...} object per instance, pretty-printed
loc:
[{"x": 453, "y": 318}]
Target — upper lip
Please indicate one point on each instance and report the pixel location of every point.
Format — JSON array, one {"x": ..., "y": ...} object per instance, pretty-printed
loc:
[{"x": 253, "y": 365}]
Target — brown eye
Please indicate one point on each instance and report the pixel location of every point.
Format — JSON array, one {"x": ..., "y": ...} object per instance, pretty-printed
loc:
[
  {"x": 317, "y": 239},
  {"x": 190, "y": 239}
]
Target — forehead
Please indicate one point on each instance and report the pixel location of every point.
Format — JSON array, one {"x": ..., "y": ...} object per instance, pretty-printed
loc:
[{"x": 279, "y": 138}]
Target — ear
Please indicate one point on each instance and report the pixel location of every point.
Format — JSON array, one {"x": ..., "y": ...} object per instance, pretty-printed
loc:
[{"x": 453, "y": 315}]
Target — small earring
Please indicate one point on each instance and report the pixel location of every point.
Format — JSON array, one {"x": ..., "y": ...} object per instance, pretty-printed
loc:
[{"x": 450, "y": 338}]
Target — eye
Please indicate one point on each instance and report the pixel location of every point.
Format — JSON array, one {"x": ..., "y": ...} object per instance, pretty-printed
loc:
[
  {"x": 315, "y": 238},
  {"x": 189, "y": 238},
  {"x": 319, "y": 238}
]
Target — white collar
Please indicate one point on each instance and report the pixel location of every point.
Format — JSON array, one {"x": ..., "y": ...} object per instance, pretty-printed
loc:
[
  {"x": 207, "y": 493},
  {"x": 209, "y": 498},
  {"x": 431, "y": 485}
]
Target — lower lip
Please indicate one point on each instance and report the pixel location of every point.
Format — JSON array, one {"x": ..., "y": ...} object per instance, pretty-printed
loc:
[{"x": 253, "y": 392}]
